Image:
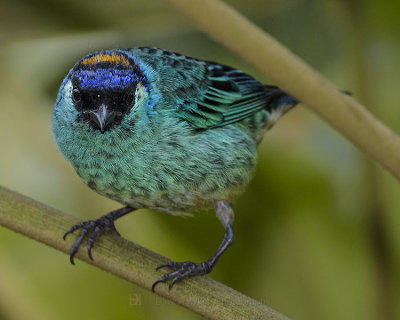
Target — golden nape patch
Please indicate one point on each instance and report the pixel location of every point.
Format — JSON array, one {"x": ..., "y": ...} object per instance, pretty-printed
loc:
[{"x": 106, "y": 57}]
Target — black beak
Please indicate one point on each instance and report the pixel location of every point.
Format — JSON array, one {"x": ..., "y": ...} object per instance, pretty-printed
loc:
[{"x": 102, "y": 117}]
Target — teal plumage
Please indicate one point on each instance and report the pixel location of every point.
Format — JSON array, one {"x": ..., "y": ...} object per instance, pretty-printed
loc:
[{"x": 151, "y": 128}]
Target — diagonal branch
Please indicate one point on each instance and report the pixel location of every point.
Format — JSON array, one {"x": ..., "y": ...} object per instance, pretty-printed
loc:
[
  {"x": 129, "y": 261},
  {"x": 294, "y": 76}
]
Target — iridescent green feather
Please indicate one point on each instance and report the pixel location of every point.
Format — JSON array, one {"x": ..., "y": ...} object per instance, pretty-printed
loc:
[{"x": 208, "y": 94}]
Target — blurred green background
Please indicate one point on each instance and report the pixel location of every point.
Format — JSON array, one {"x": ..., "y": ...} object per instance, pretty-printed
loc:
[{"x": 318, "y": 228}]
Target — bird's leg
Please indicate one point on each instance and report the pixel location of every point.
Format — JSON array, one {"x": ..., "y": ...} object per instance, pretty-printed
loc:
[
  {"x": 185, "y": 269},
  {"x": 105, "y": 222}
]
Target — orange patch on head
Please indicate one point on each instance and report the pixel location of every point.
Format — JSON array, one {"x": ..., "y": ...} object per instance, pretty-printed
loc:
[{"x": 106, "y": 57}]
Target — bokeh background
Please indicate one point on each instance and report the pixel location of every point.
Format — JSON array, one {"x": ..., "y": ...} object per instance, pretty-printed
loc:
[{"x": 318, "y": 228}]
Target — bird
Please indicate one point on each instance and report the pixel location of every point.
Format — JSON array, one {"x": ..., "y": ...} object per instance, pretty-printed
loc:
[{"x": 152, "y": 128}]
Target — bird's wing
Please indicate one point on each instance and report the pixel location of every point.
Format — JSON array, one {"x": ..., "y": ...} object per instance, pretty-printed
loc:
[
  {"x": 229, "y": 96},
  {"x": 207, "y": 94}
]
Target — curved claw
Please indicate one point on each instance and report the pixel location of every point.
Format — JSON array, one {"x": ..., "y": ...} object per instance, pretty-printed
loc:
[
  {"x": 155, "y": 283},
  {"x": 105, "y": 222},
  {"x": 65, "y": 234},
  {"x": 77, "y": 243},
  {"x": 182, "y": 271},
  {"x": 165, "y": 278},
  {"x": 96, "y": 226},
  {"x": 174, "y": 275},
  {"x": 167, "y": 265},
  {"x": 71, "y": 230},
  {"x": 91, "y": 240}
]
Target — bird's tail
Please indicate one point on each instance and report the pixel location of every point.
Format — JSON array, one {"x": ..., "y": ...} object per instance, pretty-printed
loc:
[
  {"x": 280, "y": 102},
  {"x": 279, "y": 99}
]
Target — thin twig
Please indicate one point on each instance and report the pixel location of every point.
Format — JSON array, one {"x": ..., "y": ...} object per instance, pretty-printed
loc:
[
  {"x": 289, "y": 72},
  {"x": 129, "y": 261}
]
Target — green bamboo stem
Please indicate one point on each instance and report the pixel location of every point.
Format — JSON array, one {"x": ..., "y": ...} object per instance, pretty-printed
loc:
[
  {"x": 129, "y": 261},
  {"x": 289, "y": 72}
]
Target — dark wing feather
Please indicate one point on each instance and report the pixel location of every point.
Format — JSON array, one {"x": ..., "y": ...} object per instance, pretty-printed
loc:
[
  {"x": 208, "y": 94},
  {"x": 230, "y": 96}
]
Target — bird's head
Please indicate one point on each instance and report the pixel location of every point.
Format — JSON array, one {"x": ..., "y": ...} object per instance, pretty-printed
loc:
[{"x": 103, "y": 87}]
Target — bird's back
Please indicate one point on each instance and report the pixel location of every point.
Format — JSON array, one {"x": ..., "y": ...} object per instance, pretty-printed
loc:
[{"x": 210, "y": 95}]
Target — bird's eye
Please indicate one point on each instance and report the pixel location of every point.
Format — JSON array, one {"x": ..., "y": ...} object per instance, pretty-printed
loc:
[
  {"x": 129, "y": 97},
  {"x": 76, "y": 95}
]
